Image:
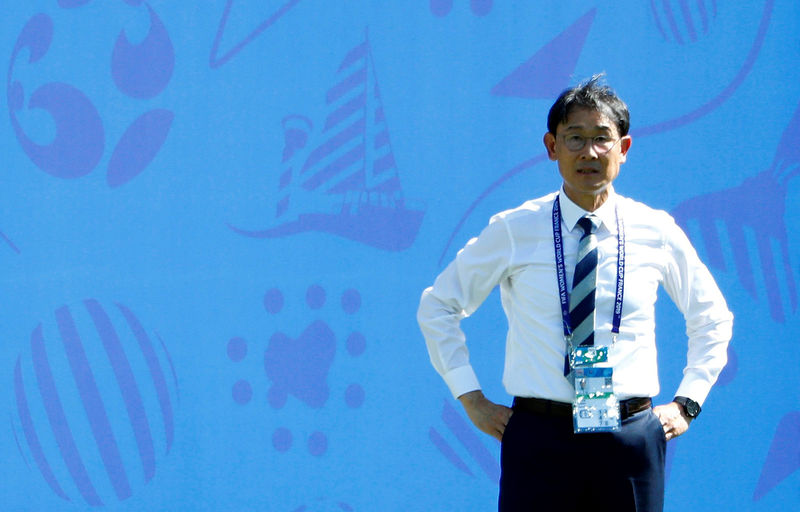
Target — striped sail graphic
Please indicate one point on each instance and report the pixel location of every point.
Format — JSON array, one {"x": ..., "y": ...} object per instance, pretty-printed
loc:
[{"x": 347, "y": 183}]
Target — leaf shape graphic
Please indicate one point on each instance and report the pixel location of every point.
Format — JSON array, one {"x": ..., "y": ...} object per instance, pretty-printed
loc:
[
  {"x": 138, "y": 146},
  {"x": 145, "y": 69}
]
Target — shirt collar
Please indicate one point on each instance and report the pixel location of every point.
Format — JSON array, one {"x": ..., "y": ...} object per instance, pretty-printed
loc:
[{"x": 571, "y": 212}]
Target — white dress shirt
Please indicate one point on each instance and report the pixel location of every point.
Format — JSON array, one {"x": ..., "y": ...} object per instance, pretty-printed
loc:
[{"x": 516, "y": 251}]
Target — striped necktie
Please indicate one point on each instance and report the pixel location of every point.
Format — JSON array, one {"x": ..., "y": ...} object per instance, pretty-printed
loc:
[{"x": 584, "y": 284}]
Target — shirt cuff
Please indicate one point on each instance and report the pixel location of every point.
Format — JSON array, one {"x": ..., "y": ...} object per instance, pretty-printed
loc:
[
  {"x": 461, "y": 380},
  {"x": 695, "y": 388}
]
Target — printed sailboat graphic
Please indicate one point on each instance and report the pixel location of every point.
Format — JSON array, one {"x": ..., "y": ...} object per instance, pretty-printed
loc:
[{"x": 350, "y": 178}]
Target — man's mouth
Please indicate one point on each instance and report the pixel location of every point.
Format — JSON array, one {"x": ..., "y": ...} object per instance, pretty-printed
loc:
[{"x": 587, "y": 171}]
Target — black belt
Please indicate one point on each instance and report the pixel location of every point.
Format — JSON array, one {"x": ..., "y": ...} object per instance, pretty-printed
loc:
[{"x": 627, "y": 408}]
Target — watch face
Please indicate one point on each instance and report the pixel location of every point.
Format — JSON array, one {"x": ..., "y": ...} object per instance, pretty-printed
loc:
[{"x": 691, "y": 407}]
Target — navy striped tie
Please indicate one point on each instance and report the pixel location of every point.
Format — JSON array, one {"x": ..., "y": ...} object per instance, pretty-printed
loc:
[{"x": 584, "y": 284}]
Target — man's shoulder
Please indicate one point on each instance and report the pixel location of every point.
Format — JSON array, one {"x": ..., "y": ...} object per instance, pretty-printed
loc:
[
  {"x": 647, "y": 225},
  {"x": 527, "y": 210},
  {"x": 634, "y": 211}
]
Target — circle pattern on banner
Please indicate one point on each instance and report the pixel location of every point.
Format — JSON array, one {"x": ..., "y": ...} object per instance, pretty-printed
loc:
[
  {"x": 95, "y": 401},
  {"x": 71, "y": 139}
]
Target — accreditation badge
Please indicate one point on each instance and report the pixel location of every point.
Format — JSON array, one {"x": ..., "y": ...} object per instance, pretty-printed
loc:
[{"x": 595, "y": 408}]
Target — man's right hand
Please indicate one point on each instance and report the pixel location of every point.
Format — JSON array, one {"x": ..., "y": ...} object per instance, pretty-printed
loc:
[{"x": 488, "y": 416}]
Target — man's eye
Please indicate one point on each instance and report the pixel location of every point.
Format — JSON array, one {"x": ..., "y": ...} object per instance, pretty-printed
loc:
[
  {"x": 602, "y": 139},
  {"x": 574, "y": 139}
]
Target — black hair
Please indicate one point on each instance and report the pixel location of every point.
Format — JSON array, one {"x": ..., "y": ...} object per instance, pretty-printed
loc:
[{"x": 593, "y": 95}]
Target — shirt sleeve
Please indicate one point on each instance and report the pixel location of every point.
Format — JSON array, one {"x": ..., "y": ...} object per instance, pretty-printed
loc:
[
  {"x": 709, "y": 323},
  {"x": 457, "y": 292}
]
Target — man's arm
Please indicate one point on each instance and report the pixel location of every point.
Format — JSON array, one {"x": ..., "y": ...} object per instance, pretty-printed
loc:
[
  {"x": 457, "y": 292},
  {"x": 709, "y": 326}
]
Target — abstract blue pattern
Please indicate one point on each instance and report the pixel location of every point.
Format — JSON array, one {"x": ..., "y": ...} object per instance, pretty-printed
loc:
[{"x": 218, "y": 217}]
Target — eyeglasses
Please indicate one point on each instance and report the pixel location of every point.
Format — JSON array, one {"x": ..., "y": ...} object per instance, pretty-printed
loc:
[{"x": 601, "y": 143}]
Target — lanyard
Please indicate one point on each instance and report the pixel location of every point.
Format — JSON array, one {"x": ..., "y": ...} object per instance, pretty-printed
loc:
[{"x": 561, "y": 273}]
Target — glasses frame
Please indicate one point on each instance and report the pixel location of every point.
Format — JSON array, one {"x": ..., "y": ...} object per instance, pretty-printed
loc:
[{"x": 598, "y": 150}]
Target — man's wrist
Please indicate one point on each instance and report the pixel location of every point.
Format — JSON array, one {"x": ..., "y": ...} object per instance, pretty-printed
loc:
[
  {"x": 689, "y": 407},
  {"x": 471, "y": 396}
]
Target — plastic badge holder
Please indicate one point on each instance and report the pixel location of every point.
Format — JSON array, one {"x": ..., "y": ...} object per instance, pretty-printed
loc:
[{"x": 596, "y": 408}]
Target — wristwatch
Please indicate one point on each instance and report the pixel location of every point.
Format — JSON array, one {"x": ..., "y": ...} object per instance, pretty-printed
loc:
[{"x": 691, "y": 407}]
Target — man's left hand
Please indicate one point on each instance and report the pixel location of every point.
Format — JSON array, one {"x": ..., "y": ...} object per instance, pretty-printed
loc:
[{"x": 673, "y": 419}]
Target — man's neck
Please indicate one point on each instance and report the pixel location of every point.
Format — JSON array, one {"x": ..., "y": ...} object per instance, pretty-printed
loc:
[{"x": 589, "y": 202}]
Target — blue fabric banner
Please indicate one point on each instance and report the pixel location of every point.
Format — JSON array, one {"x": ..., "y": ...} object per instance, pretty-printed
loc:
[{"x": 218, "y": 217}]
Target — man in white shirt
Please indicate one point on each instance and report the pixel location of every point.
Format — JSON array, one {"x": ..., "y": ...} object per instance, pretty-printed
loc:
[{"x": 551, "y": 458}]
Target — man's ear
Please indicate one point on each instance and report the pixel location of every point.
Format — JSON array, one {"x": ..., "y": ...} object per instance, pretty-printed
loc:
[
  {"x": 624, "y": 146},
  {"x": 550, "y": 144}
]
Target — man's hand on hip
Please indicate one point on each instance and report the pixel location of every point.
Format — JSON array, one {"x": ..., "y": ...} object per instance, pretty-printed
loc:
[
  {"x": 488, "y": 416},
  {"x": 673, "y": 418}
]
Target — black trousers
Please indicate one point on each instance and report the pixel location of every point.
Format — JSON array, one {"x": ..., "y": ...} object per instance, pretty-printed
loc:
[{"x": 546, "y": 467}]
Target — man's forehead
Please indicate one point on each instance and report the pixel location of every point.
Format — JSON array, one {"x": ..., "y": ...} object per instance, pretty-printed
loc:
[{"x": 584, "y": 119}]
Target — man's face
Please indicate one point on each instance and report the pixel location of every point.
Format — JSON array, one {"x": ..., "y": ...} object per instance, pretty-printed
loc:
[{"x": 589, "y": 171}]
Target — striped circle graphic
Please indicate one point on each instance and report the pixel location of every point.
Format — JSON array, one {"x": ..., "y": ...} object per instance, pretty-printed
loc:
[
  {"x": 683, "y": 21},
  {"x": 95, "y": 396}
]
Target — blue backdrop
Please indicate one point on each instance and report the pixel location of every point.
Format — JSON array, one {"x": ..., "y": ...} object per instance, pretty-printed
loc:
[{"x": 217, "y": 218}]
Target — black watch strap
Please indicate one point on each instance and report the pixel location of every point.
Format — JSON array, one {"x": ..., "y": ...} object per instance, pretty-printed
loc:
[{"x": 691, "y": 407}]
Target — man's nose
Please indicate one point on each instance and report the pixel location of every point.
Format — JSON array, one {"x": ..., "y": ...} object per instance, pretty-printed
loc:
[{"x": 588, "y": 151}]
